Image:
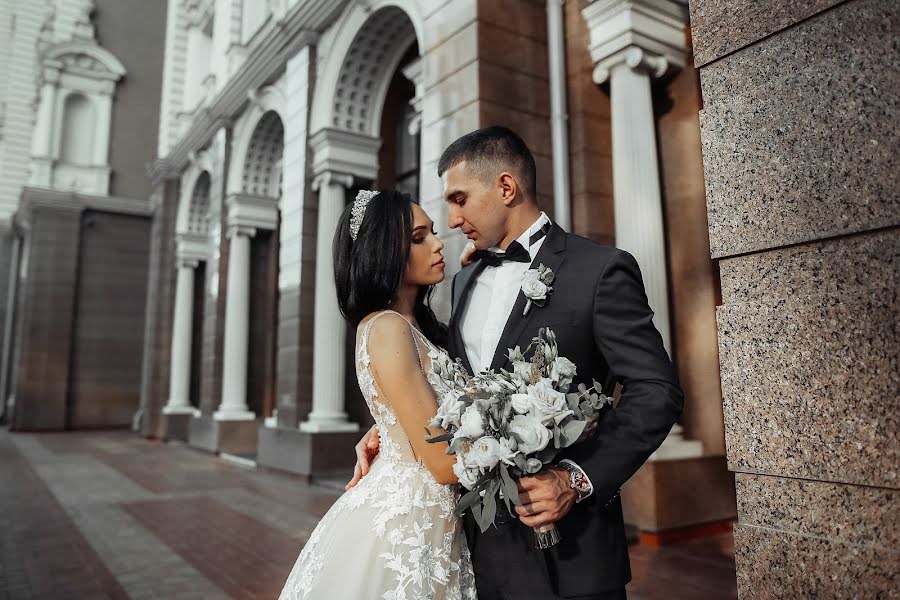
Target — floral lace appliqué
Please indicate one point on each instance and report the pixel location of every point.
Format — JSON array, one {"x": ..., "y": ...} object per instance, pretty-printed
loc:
[{"x": 419, "y": 550}]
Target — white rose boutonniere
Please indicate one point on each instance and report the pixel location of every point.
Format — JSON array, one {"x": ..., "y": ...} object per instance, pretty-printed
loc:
[{"x": 536, "y": 285}]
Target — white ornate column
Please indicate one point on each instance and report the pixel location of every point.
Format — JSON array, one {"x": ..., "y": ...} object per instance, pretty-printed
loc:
[
  {"x": 633, "y": 42},
  {"x": 340, "y": 158},
  {"x": 44, "y": 126},
  {"x": 246, "y": 214},
  {"x": 190, "y": 250},
  {"x": 330, "y": 329}
]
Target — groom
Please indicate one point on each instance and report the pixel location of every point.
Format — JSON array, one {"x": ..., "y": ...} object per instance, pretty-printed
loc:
[{"x": 599, "y": 312}]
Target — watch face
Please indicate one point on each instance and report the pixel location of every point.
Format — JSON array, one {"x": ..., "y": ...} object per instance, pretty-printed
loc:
[{"x": 579, "y": 482}]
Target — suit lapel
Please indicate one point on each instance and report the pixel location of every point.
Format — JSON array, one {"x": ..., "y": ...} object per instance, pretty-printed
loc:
[
  {"x": 465, "y": 279},
  {"x": 552, "y": 254}
]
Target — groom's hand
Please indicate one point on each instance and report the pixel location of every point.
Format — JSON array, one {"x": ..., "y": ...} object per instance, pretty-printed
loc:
[
  {"x": 546, "y": 497},
  {"x": 366, "y": 451}
]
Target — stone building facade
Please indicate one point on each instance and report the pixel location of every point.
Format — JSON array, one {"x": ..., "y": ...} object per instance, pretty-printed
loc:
[
  {"x": 801, "y": 146},
  {"x": 274, "y": 113},
  {"x": 80, "y": 97}
]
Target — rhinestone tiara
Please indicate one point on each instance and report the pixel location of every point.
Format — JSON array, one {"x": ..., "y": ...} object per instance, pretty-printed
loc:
[{"x": 359, "y": 211}]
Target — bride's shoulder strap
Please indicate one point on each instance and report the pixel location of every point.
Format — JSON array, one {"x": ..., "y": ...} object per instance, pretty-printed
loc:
[{"x": 398, "y": 321}]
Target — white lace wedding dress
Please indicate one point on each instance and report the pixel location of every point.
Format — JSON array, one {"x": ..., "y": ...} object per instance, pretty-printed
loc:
[{"x": 394, "y": 536}]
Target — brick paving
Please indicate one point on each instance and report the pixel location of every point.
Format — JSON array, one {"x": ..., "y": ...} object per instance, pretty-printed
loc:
[{"x": 111, "y": 515}]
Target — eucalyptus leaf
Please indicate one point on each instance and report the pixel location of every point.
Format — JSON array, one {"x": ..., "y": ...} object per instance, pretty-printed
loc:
[
  {"x": 441, "y": 438},
  {"x": 476, "y": 511},
  {"x": 456, "y": 445},
  {"x": 510, "y": 489},
  {"x": 489, "y": 508},
  {"x": 573, "y": 430},
  {"x": 519, "y": 459},
  {"x": 466, "y": 501}
]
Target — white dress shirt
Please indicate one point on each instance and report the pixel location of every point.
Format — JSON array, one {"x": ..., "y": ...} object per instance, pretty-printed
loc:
[{"x": 491, "y": 300}]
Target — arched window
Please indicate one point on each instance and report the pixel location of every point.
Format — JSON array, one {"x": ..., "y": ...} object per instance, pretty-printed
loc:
[{"x": 77, "y": 140}]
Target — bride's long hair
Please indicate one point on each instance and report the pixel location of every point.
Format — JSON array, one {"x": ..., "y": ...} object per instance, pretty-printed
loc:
[{"x": 369, "y": 271}]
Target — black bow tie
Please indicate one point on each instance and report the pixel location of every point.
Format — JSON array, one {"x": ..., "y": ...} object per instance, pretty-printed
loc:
[{"x": 515, "y": 252}]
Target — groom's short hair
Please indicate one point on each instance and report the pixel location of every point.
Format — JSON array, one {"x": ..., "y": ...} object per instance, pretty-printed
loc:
[{"x": 490, "y": 151}]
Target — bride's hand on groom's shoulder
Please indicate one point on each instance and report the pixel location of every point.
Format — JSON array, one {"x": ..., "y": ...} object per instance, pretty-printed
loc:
[{"x": 366, "y": 451}]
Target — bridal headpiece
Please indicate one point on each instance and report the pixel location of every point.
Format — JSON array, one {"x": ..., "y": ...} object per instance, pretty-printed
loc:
[{"x": 359, "y": 211}]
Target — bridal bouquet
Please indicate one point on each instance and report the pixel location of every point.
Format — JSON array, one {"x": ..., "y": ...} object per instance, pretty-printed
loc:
[{"x": 504, "y": 425}]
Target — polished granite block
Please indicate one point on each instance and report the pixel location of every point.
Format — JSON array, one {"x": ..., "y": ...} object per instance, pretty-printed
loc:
[
  {"x": 777, "y": 564},
  {"x": 799, "y": 133},
  {"x": 839, "y": 512},
  {"x": 810, "y": 386},
  {"x": 867, "y": 260},
  {"x": 719, "y": 27}
]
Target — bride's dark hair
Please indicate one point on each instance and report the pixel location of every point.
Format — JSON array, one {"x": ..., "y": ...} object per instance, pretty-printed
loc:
[{"x": 369, "y": 271}]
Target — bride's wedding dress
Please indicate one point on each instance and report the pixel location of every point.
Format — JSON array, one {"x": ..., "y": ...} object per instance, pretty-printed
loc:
[{"x": 394, "y": 536}]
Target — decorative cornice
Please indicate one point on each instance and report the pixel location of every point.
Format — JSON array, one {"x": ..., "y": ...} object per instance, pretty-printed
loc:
[
  {"x": 643, "y": 34},
  {"x": 248, "y": 210},
  {"x": 300, "y": 27},
  {"x": 191, "y": 248},
  {"x": 340, "y": 151},
  {"x": 32, "y": 198},
  {"x": 162, "y": 169}
]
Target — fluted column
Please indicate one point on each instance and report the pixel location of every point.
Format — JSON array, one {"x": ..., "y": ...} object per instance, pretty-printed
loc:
[
  {"x": 182, "y": 331},
  {"x": 633, "y": 42},
  {"x": 329, "y": 331},
  {"x": 636, "y": 187},
  {"x": 237, "y": 314}
]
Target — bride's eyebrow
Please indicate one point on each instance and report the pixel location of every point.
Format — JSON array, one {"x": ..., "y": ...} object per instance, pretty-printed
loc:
[{"x": 429, "y": 226}]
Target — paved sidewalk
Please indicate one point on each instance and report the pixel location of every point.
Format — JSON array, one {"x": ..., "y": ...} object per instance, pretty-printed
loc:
[{"x": 110, "y": 515}]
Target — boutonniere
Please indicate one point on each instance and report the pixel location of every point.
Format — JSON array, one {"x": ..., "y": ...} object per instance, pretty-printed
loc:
[{"x": 536, "y": 286}]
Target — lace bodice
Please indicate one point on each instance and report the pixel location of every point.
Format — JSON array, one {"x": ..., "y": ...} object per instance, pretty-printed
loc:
[{"x": 394, "y": 443}]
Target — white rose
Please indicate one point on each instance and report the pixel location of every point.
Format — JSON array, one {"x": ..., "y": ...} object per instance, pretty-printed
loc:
[
  {"x": 450, "y": 413},
  {"x": 533, "y": 287},
  {"x": 531, "y": 434},
  {"x": 546, "y": 403},
  {"x": 521, "y": 403},
  {"x": 563, "y": 370},
  {"x": 471, "y": 424},
  {"x": 508, "y": 450},
  {"x": 467, "y": 477},
  {"x": 485, "y": 452}
]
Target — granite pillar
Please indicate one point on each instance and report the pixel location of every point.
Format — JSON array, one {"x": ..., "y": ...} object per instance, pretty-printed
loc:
[{"x": 801, "y": 167}]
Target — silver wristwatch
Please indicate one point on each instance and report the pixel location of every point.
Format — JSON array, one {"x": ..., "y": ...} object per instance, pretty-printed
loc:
[{"x": 578, "y": 481}]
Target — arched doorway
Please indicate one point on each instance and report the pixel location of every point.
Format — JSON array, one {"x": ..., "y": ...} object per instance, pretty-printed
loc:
[
  {"x": 262, "y": 177},
  {"x": 361, "y": 137}
]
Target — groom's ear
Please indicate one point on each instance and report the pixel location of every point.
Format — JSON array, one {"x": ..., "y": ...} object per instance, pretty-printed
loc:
[{"x": 509, "y": 187}]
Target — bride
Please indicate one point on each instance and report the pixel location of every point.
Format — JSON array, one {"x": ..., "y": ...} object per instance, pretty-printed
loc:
[{"x": 394, "y": 536}]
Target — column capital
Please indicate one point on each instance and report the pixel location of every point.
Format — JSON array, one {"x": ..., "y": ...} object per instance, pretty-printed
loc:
[
  {"x": 250, "y": 210},
  {"x": 190, "y": 248},
  {"x": 635, "y": 58},
  {"x": 332, "y": 178},
  {"x": 186, "y": 263},
  {"x": 642, "y": 34},
  {"x": 241, "y": 230},
  {"x": 345, "y": 152}
]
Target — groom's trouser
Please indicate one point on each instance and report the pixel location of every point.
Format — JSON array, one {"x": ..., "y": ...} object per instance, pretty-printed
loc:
[{"x": 508, "y": 566}]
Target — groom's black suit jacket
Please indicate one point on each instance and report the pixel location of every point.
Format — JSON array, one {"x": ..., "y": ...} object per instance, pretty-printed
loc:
[{"x": 599, "y": 312}]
